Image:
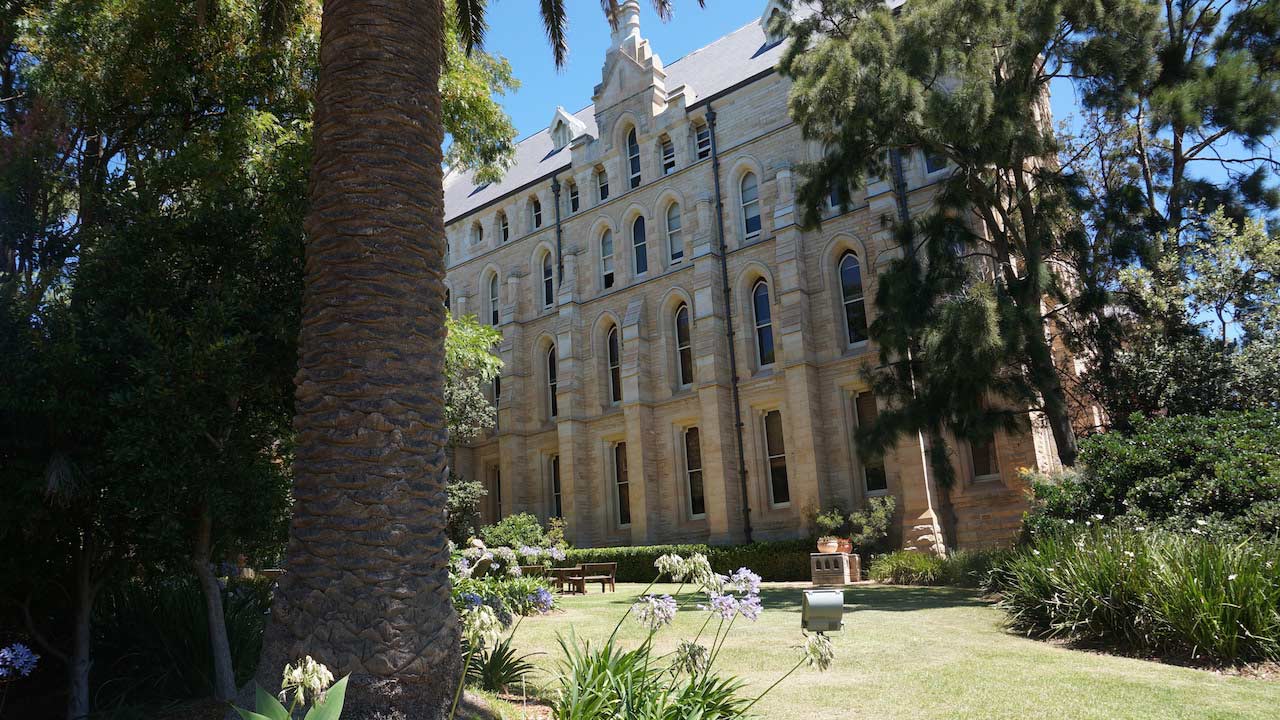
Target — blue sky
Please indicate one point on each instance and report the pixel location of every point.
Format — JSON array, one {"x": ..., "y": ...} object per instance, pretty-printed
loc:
[{"x": 515, "y": 31}]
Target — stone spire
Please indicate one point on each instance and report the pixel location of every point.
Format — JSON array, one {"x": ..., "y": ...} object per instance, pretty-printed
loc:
[{"x": 626, "y": 36}]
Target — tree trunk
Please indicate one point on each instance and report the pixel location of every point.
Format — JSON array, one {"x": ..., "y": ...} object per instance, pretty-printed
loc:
[
  {"x": 1045, "y": 378},
  {"x": 81, "y": 661},
  {"x": 366, "y": 590},
  {"x": 224, "y": 678}
]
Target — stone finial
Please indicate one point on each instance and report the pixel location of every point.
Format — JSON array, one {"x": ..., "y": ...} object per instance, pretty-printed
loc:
[{"x": 627, "y": 23}]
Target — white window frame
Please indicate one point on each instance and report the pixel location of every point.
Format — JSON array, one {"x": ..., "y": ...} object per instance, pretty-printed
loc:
[
  {"x": 574, "y": 198},
  {"x": 477, "y": 233},
  {"x": 675, "y": 235},
  {"x": 602, "y": 184},
  {"x": 750, "y": 208},
  {"x": 769, "y": 455},
  {"x": 668, "y": 151},
  {"x": 702, "y": 140},
  {"x": 846, "y": 303},
  {"x": 608, "y": 275},
  {"x": 633, "y": 159},
  {"x": 494, "y": 300}
]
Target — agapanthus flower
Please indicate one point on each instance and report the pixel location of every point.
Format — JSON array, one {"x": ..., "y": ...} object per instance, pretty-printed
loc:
[
  {"x": 514, "y": 570},
  {"x": 745, "y": 581},
  {"x": 505, "y": 555},
  {"x": 530, "y": 552},
  {"x": 500, "y": 609},
  {"x": 556, "y": 553},
  {"x": 471, "y": 600},
  {"x": 698, "y": 571},
  {"x": 818, "y": 651},
  {"x": 725, "y": 605},
  {"x": 306, "y": 678},
  {"x": 541, "y": 601},
  {"x": 750, "y": 607},
  {"x": 691, "y": 658},
  {"x": 670, "y": 564},
  {"x": 655, "y": 611},
  {"x": 481, "y": 626},
  {"x": 17, "y": 659}
]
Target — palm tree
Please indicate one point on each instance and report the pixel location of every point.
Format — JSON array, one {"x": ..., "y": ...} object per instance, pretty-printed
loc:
[{"x": 367, "y": 587}]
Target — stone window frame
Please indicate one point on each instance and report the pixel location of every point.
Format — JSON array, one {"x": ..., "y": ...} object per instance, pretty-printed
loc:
[
  {"x": 555, "y": 486},
  {"x": 672, "y": 258},
  {"x": 493, "y": 296},
  {"x": 613, "y": 364},
  {"x": 701, "y": 139},
  {"x": 682, "y": 383},
  {"x": 548, "y": 361},
  {"x": 601, "y": 175},
  {"x": 535, "y": 212},
  {"x": 608, "y": 262},
  {"x": 686, "y": 472},
  {"x": 546, "y": 280},
  {"x": 639, "y": 246},
  {"x": 852, "y": 396},
  {"x": 477, "y": 233},
  {"x": 504, "y": 226},
  {"x": 667, "y": 154},
  {"x": 845, "y": 303},
  {"x": 754, "y": 203},
  {"x": 616, "y": 463},
  {"x": 757, "y": 326},
  {"x": 766, "y": 455},
  {"x": 634, "y": 165},
  {"x": 575, "y": 202}
]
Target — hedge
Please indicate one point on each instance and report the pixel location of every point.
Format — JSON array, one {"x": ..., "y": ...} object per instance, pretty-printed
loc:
[{"x": 774, "y": 561}]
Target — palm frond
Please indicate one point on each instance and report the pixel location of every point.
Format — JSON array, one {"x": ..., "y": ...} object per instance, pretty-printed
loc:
[
  {"x": 556, "y": 22},
  {"x": 470, "y": 15},
  {"x": 610, "y": 9},
  {"x": 61, "y": 479}
]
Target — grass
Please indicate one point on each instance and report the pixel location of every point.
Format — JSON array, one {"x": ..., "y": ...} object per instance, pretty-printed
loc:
[{"x": 914, "y": 652}]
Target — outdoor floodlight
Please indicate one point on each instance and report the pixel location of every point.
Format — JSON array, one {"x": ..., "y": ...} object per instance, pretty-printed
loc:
[{"x": 822, "y": 610}]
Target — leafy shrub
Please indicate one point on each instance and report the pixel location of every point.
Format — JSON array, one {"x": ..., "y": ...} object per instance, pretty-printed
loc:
[
  {"x": 972, "y": 568},
  {"x": 907, "y": 567},
  {"x": 512, "y": 594},
  {"x": 514, "y": 531},
  {"x": 1149, "y": 591},
  {"x": 780, "y": 560},
  {"x": 1216, "y": 474},
  {"x": 869, "y": 527},
  {"x": 831, "y": 521},
  {"x": 497, "y": 668},
  {"x": 463, "y": 498}
]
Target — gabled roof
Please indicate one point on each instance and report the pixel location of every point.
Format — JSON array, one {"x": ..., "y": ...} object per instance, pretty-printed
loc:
[{"x": 738, "y": 56}]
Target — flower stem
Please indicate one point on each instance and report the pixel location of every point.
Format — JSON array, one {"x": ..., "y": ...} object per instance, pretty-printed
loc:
[
  {"x": 628, "y": 612},
  {"x": 453, "y": 710},
  {"x": 774, "y": 685}
]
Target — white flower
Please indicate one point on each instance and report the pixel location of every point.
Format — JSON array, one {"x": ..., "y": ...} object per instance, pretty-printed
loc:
[
  {"x": 481, "y": 626},
  {"x": 1129, "y": 553},
  {"x": 654, "y": 611},
  {"x": 1202, "y": 523},
  {"x": 307, "y": 677},
  {"x": 670, "y": 564},
  {"x": 1098, "y": 517},
  {"x": 818, "y": 651},
  {"x": 1232, "y": 576}
]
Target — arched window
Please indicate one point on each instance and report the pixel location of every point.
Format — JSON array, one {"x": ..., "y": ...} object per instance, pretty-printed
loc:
[
  {"x": 750, "y": 194},
  {"x": 504, "y": 227},
  {"x": 548, "y": 281},
  {"x": 477, "y": 234},
  {"x": 614, "y": 352},
  {"x": 668, "y": 150},
  {"x": 851, "y": 296},
  {"x": 764, "y": 322},
  {"x": 640, "y": 245},
  {"x": 684, "y": 348},
  {"x": 552, "y": 372},
  {"x": 633, "y": 158},
  {"x": 574, "y": 202},
  {"x": 602, "y": 184},
  {"x": 535, "y": 212},
  {"x": 493, "y": 299},
  {"x": 675, "y": 238},
  {"x": 606, "y": 259}
]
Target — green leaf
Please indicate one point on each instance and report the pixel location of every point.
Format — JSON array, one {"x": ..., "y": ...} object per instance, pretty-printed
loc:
[
  {"x": 269, "y": 706},
  {"x": 331, "y": 708},
  {"x": 250, "y": 715}
]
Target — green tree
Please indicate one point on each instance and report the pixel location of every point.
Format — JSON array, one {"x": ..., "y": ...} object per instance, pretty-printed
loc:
[{"x": 470, "y": 365}]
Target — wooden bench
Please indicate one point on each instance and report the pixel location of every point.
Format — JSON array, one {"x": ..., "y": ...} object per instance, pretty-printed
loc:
[
  {"x": 533, "y": 570},
  {"x": 568, "y": 580},
  {"x": 603, "y": 573}
]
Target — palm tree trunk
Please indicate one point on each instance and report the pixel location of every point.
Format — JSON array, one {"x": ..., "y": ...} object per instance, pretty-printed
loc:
[{"x": 367, "y": 588}]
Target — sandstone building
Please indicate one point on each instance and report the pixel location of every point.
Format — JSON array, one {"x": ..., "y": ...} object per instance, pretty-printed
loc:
[{"x": 629, "y": 300}]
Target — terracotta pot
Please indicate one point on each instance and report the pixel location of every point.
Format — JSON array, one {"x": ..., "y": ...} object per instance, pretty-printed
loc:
[
  {"x": 828, "y": 546},
  {"x": 845, "y": 546}
]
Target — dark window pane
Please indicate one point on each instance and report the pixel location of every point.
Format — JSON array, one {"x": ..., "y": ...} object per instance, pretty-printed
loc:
[
  {"x": 764, "y": 342},
  {"x": 777, "y": 456},
  {"x": 640, "y": 242},
  {"x": 623, "y": 484},
  {"x": 555, "y": 486},
  {"x": 753, "y": 224},
  {"x": 693, "y": 464},
  {"x": 778, "y": 477},
  {"x": 760, "y": 302},
  {"x": 983, "y": 453}
]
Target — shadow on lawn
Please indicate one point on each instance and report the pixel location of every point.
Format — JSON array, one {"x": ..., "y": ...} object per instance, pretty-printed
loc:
[{"x": 884, "y": 597}]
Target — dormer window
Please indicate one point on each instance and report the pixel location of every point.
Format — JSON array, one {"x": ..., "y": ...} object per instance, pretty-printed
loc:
[
  {"x": 773, "y": 22},
  {"x": 564, "y": 128},
  {"x": 560, "y": 135}
]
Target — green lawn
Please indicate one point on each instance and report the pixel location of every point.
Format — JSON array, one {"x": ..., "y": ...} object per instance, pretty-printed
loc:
[{"x": 921, "y": 653}]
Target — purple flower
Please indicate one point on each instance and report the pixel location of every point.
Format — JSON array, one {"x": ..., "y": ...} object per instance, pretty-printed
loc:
[
  {"x": 556, "y": 553},
  {"x": 542, "y": 600},
  {"x": 471, "y": 600},
  {"x": 750, "y": 607},
  {"x": 745, "y": 581},
  {"x": 17, "y": 658},
  {"x": 725, "y": 605},
  {"x": 654, "y": 611}
]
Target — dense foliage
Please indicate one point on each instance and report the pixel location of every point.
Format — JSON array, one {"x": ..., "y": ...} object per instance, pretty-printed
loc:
[
  {"x": 781, "y": 560},
  {"x": 964, "y": 568},
  {"x": 1149, "y": 591},
  {"x": 515, "y": 531},
  {"x": 1215, "y": 474}
]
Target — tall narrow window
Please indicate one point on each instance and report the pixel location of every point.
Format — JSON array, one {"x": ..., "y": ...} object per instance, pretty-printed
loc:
[
  {"x": 553, "y": 407},
  {"x": 477, "y": 234},
  {"x": 684, "y": 349},
  {"x": 448, "y": 300},
  {"x": 504, "y": 227},
  {"x": 606, "y": 259},
  {"x": 693, "y": 472},
  {"x": 702, "y": 139},
  {"x": 535, "y": 212},
  {"x": 640, "y": 245},
  {"x": 873, "y": 476},
  {"x": 675, "y": 237},
  {"x": 764, "y": 322},
  {"x": 982, "y": 455},
  {"x": 602, "y": 184},
  {"x": 750, "y": 194},
  {"x": 668, "y": 155},
  {"x": 495, "y": 482},
  {"x": 834, "y": 203},
  {"x": 622, "y": 483},
  {"x": 557, "y": 501},
  {"x": 573, "y": 197},
  {"x": 633, "y": 158},
  {"x": 851, "y": 296},
  {"x": 776, "y": 455},
  {"x": 548, "y": 281},
  {"x": 614, "y": 352},
  {"x": 493, "y": 299}
]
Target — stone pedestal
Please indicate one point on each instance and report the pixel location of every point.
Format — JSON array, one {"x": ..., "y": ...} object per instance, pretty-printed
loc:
[{"x": 834, "y": 568}]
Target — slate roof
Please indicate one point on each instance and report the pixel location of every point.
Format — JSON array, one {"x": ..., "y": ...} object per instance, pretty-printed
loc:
[{"x": 740, "y": 55}]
